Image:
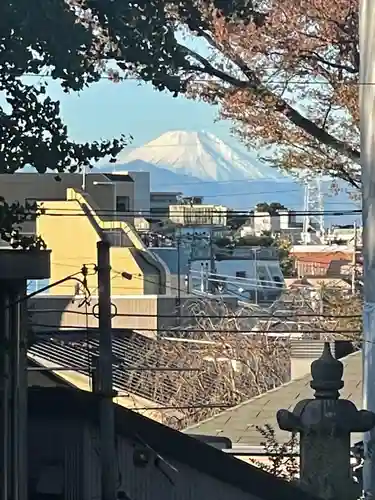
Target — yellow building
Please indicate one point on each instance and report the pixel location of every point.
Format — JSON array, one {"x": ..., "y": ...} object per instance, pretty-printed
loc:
[{"x": 71, "y": 229}]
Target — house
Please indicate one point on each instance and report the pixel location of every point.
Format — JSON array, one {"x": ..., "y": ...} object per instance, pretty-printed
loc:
[
  {"x": 152, "y": 461},
  {"x": 248, "y": 273},
  {"x": 283, "y": 222},
  {"x": 322, "y": 260},
  {"x": 241, "y": 424}
]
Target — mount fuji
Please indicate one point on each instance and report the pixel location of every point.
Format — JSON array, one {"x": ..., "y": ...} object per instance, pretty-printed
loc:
[
  {"x": 201, "y": 164},
  {"x": 201, "y": 155}
]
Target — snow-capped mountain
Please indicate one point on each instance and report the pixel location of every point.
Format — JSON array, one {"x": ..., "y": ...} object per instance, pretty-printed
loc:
[
  {"x": 200, "y": 164},
  {"x": 201, "y": 155}
]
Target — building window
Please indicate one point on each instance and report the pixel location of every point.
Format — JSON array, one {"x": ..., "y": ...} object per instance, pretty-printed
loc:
[
  {"x": 278, "y": 281},
  {"x": 122, "y": 204},
  {"x": 240, "y": 274}
]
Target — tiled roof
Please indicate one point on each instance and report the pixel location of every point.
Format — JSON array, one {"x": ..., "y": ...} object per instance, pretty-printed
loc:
[{"x": 240, "y": 423}]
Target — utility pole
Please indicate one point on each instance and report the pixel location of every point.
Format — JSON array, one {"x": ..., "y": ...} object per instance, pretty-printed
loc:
[
  {"x": 211, "y": 283},
  {"x": 105, "y": 378},
  {"x": 354, "y": 261},
  {"x": 179, "y": 273},
  {"x": 367, "y": 123},
  {"x": 256, "y": 274}
]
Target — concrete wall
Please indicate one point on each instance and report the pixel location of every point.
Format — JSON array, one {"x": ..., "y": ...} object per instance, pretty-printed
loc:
[
  {"x": 147, "y": 314},
  {"x": 64, "y": 459},
  {"x": 141, "y": 192},
  {"x": 45, "y": 187},
  {"x": 72, "y": 237}
]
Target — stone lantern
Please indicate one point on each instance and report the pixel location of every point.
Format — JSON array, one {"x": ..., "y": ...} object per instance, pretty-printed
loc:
[{"x": 324, "y": 425}]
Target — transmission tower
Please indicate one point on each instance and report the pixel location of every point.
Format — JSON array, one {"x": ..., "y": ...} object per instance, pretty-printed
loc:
[{"x": 313, "y": 220}]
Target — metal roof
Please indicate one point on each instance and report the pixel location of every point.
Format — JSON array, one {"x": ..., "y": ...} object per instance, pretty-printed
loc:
[{"x": 141, "y": 366}]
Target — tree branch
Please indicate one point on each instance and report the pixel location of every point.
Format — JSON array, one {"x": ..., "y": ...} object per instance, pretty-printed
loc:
[{"x": 253, "y": 83}]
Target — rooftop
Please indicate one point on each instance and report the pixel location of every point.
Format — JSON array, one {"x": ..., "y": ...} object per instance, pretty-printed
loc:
[
  {"x": 241, "y": 423},
  {"x": 141, "y": 366},
  {"x": 66, "y": 403}
]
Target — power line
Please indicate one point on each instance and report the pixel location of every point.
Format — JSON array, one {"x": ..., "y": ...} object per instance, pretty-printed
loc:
[
  {"x": 213, "y": 80},
  {"x": 211, "y": 316},
  {"x": 145, "y": 213},
  {"x": 187, "y": 330}
]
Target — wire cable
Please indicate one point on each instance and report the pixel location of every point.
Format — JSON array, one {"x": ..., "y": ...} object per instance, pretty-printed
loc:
[
  {"x": 212, "y": 211},
  {"x": 198, "y": 330},
  {"x": 202, "y": 80},
  {"x": 211, "y": 316}
]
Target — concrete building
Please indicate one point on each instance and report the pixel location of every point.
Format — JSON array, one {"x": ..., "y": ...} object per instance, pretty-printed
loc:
[
  {"x": 142, "y": 190},
  {"x": 160, "y": 202},
  {"x": 71, "y": 228},
  {"x": 284, "y": 222},
  {"x": 198, "y": 215},
  {"x": 109, "y": 192},
  {"x": 247, "y": 273}
]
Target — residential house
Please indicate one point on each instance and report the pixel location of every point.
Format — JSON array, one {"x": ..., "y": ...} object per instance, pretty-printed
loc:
[
  {"x": 347, "y": 235},
  {"x": 284, "y": 222},
  {"x": 152, "y": 461},
  {"x": 78, "y": 211},
  {"x": 249, "y": 273},
  {"x": 322, "y": 261},
  {"x": 241, "y": 424}
]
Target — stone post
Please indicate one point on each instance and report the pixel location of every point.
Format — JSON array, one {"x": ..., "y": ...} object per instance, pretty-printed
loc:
[{"x": 324, "y": 425}]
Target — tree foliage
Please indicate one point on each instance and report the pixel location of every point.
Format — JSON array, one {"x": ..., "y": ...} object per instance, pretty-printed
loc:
[
  {"x": 272, "y": 208},
  {"x": 286, "y": 73},
  {"x": 287, "y": 262},
  {"x": 43, "y": 40}
]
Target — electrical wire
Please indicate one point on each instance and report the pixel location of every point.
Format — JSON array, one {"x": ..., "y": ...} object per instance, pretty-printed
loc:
[
  {"x": 195, "y": 330},
  {"x": 213, "y": 211},
  {"x": 210, "y": 316},
  {"x": 202, "y": 80}
]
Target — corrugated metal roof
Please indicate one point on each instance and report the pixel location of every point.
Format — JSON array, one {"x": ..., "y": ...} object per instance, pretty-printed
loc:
[{"x": 136, "y": 360}]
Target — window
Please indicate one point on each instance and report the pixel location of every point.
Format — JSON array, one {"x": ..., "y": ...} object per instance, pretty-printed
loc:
[
  {"x": 240, "y": 274},
  {"x": 122, "y": 204},
  {"x": 278, "y": 281}
]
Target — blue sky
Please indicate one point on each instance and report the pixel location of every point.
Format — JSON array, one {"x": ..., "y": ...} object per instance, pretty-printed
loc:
[{"x": 106, "y": 110}]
